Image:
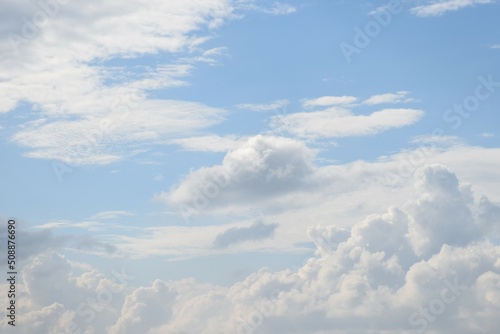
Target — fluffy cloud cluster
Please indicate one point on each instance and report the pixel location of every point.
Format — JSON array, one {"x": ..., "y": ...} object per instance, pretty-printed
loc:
[
  {"x": 261, "y": 167},
  {"x": 431, "y": 265}
]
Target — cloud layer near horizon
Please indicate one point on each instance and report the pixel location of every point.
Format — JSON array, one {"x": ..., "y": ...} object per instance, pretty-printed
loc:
[{"x": 429, "y": 265}]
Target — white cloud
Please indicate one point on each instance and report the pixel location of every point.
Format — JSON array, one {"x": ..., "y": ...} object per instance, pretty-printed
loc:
[
  {"x": 277, "y": 8},
  {"x": 278, "y": 104},
  {"x": 445, "y": 141},
  {"x": 261, "y": 167},
  {"x": 325, "y": 101},
  {"x": 96, "y": 140},
  {"x": 281, "y": 9},
  {"x": 373, "y": 277},
  {"x": 487, "y": 135},
  {"x": 209, "y": 56},
  {"x": 246, "y": 179},
  {"x": 412, "y": 268},
  {"x": 210, "y": 143},
  {"x": 443, "y": 213},
  {"x": 336, "y": 122},
  {"x": 347, "y": 192},
  {"x": 146, "y": 307},
  {"x": 110, "y": 215},
  {"x": 63, "y": 74},
  {"x": 87, "y": 225},
  {"x": 439, "y": 7},
  {"x": 389, "y": 98}
]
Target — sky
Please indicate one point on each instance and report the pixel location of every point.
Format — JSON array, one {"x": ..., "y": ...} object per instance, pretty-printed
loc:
[{"x": 246, "y": 166}]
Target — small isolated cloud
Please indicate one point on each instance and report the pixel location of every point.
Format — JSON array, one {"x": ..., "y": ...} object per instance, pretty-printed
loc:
[
  {"x": 210, "y": 56},
  {"x": 278, "y": 104},
  {"x": 86, "y": 225},
  {"x": 495, "y": 46},
  {"x": 487, "y": 135},
  {"x": 381, "y": 9},
  {"x": 438, "y": 8},
  {"x": 336, "y": 122},
  {"x": 325, "y": 101},
  {"x": 235, "y": 235},
  {"x": 389, "y": 98},
  {"x": 211, "y": 143}
]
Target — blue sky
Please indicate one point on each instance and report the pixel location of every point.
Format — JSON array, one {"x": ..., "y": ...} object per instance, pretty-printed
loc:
[{"x": 211, "y": 139}]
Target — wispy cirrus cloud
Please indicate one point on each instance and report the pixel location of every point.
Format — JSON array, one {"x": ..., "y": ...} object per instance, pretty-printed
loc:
[
  {"x": 440, "y": 7},
  {"x": 276, "y": 8},
  {"x": 105, "y": 215},
  {"x": 85, "y": 109},
  {"x": 260, "y": 107}
]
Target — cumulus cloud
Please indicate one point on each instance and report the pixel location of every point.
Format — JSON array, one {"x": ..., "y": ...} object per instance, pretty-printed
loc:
[
  {"x": 259, "y": 230},
  {"x": 443, "y": 213},
  {"x": 437, "y": 8},
  {"x": 146, "y": 307},
  {"x": 261, "y": 168},
  {"x": 429, "y": 265}
]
